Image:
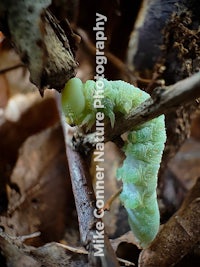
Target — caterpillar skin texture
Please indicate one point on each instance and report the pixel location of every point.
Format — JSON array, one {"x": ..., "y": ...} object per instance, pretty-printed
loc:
[{"x": 143, "y": 148}]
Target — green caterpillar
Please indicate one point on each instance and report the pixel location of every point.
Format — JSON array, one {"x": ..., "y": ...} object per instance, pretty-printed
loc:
[{"x": 143, "y": 148}]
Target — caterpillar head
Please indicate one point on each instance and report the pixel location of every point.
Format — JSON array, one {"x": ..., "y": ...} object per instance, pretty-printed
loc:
[{"x": 73, "y": 100}]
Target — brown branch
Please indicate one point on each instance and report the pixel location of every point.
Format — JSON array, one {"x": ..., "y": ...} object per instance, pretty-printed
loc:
[
  {"x": 85, "y": 205},
  {"x": 178, "y": 236},
  {"x": 119, "y": 64},
  {"x": 163, "y": 101}
]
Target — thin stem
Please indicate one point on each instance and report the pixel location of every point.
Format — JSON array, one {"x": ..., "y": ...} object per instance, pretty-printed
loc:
[
  {"x": 111, "y": 200},
  {"x": 119, "y": 64},
  {"x": 20, "y": 65}
]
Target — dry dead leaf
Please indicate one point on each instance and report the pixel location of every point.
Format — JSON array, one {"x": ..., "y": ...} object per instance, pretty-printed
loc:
[{"x": 41, "y": 198}]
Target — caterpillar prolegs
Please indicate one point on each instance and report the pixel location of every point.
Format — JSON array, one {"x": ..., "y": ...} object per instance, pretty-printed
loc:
[{"x": 143, "y": 148}]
